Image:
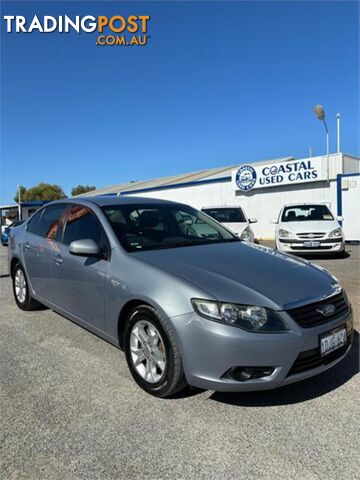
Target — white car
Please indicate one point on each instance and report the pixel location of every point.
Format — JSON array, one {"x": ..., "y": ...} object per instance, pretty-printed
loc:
[
  {"x": 234, "y": 218},
  {"x": 309, "y": 228}
]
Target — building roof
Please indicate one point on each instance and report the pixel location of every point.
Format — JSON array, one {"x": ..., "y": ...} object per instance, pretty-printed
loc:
[
  {"x": 34, "y": 203},
  {"x": 176, "y": 180}
]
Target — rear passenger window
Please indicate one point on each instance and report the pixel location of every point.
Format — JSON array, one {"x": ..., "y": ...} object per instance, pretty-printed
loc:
[
  {"x": 34, "y": 222},
  {"x": 47, "y": 223},
  {"x": 82, "y": 224}
]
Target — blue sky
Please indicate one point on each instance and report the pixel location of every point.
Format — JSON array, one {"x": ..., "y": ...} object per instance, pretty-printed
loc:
[{"x": 219, "y": 83}]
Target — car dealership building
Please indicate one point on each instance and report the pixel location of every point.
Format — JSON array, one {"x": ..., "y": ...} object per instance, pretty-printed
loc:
[{"x": 262, "y": 188}]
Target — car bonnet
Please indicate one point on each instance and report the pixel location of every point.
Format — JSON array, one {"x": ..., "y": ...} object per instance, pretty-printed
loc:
[{"x": 243, "y": 273}]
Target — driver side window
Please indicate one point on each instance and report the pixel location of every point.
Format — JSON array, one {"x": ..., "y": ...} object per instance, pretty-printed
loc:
[{"x": 81, "y": 223}]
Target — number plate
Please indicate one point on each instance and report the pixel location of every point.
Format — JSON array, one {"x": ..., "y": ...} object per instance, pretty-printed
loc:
[
  {"x": 332, "y": 341},
  {"x": 312, "y": 244}
]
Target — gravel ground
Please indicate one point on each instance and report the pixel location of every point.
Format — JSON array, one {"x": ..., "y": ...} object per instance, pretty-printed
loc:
[{"x": 69, "y": 410}]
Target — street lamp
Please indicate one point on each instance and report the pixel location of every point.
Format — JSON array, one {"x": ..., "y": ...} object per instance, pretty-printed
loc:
[{"x": 320, "y": 114}]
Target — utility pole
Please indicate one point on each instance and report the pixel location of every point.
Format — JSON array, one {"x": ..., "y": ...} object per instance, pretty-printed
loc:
[{"x": 19, "y": 200}]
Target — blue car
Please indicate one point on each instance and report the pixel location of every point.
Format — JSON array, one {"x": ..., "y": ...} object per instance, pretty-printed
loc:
[{"x": 6, "y": 232}]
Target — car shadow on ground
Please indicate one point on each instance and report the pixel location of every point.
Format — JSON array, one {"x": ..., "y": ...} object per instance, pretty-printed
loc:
[{"x": 301, "y": 391}]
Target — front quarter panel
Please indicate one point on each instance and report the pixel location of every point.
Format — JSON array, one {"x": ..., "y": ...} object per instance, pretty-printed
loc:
[{"x": 130, "y": 278}]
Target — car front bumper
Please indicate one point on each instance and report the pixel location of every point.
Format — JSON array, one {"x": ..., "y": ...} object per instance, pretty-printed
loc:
[
  {"x": 211, "y": 349},
  {"x": 289, "y": 245}
]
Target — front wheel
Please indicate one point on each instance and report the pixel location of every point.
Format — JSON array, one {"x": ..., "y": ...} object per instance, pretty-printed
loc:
[
  {"x": 21, "y": 291},
  {"x": 152, "y": 354}
]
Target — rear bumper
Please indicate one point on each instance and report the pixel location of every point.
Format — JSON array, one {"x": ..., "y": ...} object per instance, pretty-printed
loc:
[{"x": 210, "y": 350}]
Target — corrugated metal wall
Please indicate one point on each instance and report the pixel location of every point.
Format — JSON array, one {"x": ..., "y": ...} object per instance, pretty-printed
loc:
[
  {"x": 350, "y": 164},
  {"x": 264, "y": 204}
]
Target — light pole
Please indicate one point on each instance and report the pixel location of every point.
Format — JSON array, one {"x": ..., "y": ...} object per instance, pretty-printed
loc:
[
  {"x": 338, "y": 132},
  {"x": 19, "y": 200},
  {"x": 320, "y": 114}
]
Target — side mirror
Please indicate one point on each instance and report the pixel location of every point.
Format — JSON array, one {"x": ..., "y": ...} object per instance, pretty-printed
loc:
[
  {"x": 85, "y": 248},
  {"x": 274, "y": 220},
  {"x": 252, "y": 220},
  {"x": 340, "y": 218}
]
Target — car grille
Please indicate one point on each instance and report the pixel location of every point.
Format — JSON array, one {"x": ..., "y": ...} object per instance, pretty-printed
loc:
[
  {"x": 311, "y": 236},
  {"x": 307, "y": 316},
  {"x": 313, "y": 359}
]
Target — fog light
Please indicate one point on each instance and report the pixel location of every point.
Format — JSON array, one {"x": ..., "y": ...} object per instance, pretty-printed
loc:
[{"x": 242, "y": 374}]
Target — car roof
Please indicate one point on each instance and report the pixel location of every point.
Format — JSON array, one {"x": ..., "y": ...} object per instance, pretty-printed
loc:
[
  {"x": 103, "y": 200},
  {"x": 222, "y": 206},
  {"x": 298, "y": 204}
]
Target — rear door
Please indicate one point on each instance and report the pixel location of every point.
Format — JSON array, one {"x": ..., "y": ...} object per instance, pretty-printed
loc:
[
  {"x": 38, "y": 240},
  {"x": 80, "y": 281}
]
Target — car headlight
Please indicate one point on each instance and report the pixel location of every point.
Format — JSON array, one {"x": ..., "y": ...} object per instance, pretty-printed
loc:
[
  {"x": 247, "y": 317},
  {"x": 246, "y": 234},
  {"x": 336, "y": 233},
  {"x": 284, "y": 233}
]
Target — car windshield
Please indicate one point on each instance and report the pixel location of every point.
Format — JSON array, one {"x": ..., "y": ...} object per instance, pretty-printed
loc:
[
  {"x": 226, "y": 215},
  {"x": 155, "y": 226},
  {"x": 306, "y": 213}
]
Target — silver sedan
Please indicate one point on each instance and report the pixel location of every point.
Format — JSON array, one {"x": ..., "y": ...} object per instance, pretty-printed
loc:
[{"x": 185, "y": 298}]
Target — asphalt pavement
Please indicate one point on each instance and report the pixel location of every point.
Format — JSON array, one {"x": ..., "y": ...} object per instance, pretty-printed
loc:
[{"x": 70, "y": 410}]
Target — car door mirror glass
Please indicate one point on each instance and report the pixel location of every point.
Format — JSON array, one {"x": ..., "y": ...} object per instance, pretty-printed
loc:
[
  {"x": 85, "y": 248},
  {"x": 252, "y": 220}
]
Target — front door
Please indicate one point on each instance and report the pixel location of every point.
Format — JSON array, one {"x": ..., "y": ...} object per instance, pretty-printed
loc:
[{"x": 80, "y": 281}]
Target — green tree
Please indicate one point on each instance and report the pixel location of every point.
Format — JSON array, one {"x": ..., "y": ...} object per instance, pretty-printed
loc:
[
  {"x": 82, "y": 189},
  {"x": 42, "y": 191}
]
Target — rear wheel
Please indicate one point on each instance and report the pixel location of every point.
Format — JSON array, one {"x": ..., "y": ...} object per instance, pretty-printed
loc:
[
  {"x": 152, "y": 354},
  {"x": 22, "y": 295}
]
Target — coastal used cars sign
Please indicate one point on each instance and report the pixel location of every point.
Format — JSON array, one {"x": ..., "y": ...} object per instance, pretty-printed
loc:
[{"x": 248, "y": 177}]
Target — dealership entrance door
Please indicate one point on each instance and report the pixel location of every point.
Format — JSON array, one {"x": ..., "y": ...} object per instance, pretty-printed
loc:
[{"x": 349, "y": 205}]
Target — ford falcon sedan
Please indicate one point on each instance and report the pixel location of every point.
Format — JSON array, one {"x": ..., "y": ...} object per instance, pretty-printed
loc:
[{"x": 187, "y": 300}]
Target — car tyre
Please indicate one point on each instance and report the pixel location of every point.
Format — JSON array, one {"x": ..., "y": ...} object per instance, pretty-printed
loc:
[
  {"x": 22, "y": 295},
  {"x": 152, "y": 354}
]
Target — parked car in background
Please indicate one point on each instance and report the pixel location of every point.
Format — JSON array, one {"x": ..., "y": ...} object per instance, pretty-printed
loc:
[
  {"x": 5, "y": 233},
  {"x": 234, "y": 218},
  {"x": 188, "y": 301},
  {"x": 309, "y": 228}
]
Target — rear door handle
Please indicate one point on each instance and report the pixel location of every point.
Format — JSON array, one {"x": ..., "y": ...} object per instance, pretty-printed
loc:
[
  {"x": 26, "y": 246},
  {"x": 58, "y": 260}
]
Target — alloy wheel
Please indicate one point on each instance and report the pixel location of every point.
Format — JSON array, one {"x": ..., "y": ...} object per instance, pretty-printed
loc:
[
  {"x": 147, "y": 351},
  {"x": 20, "y": 286}
]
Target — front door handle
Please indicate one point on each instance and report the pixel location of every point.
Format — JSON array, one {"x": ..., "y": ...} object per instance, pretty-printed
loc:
[
  {"x": 26, "y": 246},
  {"x": 58, "y": 260}
]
